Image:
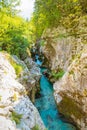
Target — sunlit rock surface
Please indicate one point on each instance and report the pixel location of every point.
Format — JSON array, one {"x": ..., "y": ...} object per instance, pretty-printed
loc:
[
  {"x": 13, "y": 99},
  {"x": 30, "y": 74},
  {"x": 62, "y": 45},
  {"x": 73, "y": 90}
]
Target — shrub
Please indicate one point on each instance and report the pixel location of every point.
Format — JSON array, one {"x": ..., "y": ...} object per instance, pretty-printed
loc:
[
  {"x": 36, "y": 127},
  {"x": 18, "y": 68},
  {"x": 16, "y": 117},
  {"x": 58, "y": 74}
]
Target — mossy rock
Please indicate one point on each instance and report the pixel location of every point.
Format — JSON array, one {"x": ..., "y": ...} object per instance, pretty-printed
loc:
[
  {"x": 16, "y": 117},
  {"x": 18, "y": 68},
  {"x": 36, "y": 127},
  {"x": 69, "y": 107}
]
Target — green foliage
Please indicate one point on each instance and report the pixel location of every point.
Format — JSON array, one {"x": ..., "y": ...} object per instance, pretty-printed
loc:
[
  {"x": 18, "y": 68},
  {"x": 14, "y": 33},
  {"x": 36, "y": 127},
  {"x": 42, "y": 43},
  {"x": 83, "y": 4},
  {"x": 49, "y": 14},
  {"x": 58, "y": 75},
  {"x": 16, "y": 117},
  {"x": 13, "y": 37},
  {"x": 45, "y": 15}
]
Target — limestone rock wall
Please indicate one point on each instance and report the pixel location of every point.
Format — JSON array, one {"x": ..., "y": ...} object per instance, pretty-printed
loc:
[
  {"x": 29, "y": 76},
  {"x": 73, "y": 90},
  {"x": 62, "y": 45},
  {"x": 16, "y": 110}
]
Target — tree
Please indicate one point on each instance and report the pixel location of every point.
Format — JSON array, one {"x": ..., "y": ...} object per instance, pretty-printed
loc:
[
  {"x": 9, "y": 6},
  {"x": 52, "y": 13},
  {"x": 13, "y": 30},
  {"x": 83, "y": 4}
]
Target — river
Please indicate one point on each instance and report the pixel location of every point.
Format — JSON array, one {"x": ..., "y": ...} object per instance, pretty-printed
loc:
[{"x": 47, "y": 107}]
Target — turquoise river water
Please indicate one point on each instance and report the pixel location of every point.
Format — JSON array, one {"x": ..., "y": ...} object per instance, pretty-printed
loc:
[{"x": 48, "y": 109}]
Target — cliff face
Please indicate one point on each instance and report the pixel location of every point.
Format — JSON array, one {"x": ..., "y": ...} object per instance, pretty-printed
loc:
[
  {"x": 73, "y": 90},
  {"x": 68, "y": 52},
  {"x": 16, "y": 110},
  {"x": 63, "y": 45},
  {"x": 29, "y": 76}
]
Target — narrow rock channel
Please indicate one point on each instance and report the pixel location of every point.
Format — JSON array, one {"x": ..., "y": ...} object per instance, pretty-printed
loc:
[{"x": 47, "y": 106}]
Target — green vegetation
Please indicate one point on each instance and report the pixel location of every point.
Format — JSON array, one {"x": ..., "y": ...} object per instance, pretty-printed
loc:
[
  {"x": 16, "y": 117},
  {"x": 50, "y": 14},
  {"x": 14, "y": 30},
  {"x": 58, "y": 75},
  {"x": 42, "y": 43},
  {"x": 17, "y": 34},
  {"x": 36, "y": 127},
  {"x": 18, "y": 68}
]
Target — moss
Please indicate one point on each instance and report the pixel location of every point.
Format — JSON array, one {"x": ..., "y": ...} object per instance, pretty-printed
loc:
[
  {"x": 42, "y": 43},
  {"x": 18, "y": 68},
  {"x": 73, "y": 57},
  {"x": 36, "y": 127},
  {"x": 61, "y": 36},
  {"x": 16, "y": 117},
  {"x": 15, "y": 97},
  {"x": 69, "y": 107}
]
